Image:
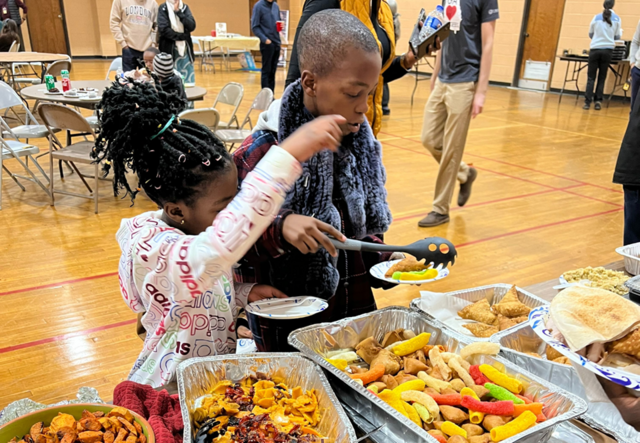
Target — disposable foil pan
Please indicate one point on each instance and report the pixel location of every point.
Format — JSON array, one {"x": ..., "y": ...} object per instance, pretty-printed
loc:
[
  {"x": 197, "y": 375},
  {"x": 493, "y": 294},
  {"x": 631, "y": 254},
  {"x": 601, "y": 416},
  {"x": 314, "y": 341}
]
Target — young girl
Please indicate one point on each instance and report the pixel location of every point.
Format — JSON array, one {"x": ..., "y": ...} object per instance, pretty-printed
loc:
[{"x": 176, "y": 262}]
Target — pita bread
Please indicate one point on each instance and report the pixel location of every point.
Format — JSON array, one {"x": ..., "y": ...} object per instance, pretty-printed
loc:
[{"x": 590, "y": 315}]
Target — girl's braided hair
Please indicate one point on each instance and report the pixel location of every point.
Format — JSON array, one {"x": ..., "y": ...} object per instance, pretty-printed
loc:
[{"x": 170, "y": 166}]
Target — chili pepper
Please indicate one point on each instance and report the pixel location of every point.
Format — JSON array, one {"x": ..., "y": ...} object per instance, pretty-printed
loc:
[
  {"x": 478, "y": 376},
  {"x": 514, "y": 427},
  {"x": 487, "y": 407},
  {"x": 500, "y": 393},
  {"x": 371, "y": 375},
  {"x": 448, "y": 399},
  {"x": 412, "y": 345},
  {"x": 501, "y": 379}
]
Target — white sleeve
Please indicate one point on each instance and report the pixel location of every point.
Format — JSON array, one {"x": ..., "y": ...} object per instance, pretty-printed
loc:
[{"x": 197, "y": 261}]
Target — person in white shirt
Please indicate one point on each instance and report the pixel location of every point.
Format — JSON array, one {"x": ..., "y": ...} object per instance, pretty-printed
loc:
[
  {"x": 634, "y": 58},
  {"x": 176, "y": 263},
  {"x": 605, "y": 29}
]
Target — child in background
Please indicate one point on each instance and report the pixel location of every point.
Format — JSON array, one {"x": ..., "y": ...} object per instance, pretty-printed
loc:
[
  {"x": 176, "y": 262},
  {"x": 148, "y": 56},
  {"x": 340, "y": 62},
  {"x": 167, "y": 79}
]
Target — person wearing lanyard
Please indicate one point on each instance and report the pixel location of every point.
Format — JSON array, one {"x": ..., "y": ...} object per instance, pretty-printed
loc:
[{"x": 377, "y": 16}]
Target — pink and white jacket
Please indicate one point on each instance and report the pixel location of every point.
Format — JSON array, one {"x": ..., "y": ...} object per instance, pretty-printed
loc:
[{"x": 184, "y": 283}]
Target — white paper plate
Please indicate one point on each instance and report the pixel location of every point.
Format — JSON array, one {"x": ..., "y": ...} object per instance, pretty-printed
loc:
[
  {"x": 379, "y": 271},
  {"x": 287, "y": 308},
  {"x": 53, "y": 93},
  {"x": 87, "y": 99},
  {"x": 616, "y": 375}
]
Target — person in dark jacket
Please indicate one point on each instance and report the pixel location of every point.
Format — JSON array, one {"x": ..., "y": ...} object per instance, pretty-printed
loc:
[
  {"x": 14, "y": 12},
  {"x": 627, "y": 174},
  {"x": 175, "y": 25},
  {"x": 266, "y": 14}
]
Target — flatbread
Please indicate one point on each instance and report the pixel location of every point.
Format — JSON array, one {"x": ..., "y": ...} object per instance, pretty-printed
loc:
[{"x": 590, "y": 315}]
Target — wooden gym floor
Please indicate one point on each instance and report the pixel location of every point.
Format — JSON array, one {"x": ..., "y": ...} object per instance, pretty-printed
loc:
[{"x": 543, "y": 204}]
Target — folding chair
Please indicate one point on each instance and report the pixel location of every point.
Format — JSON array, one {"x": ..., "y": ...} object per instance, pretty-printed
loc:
[
  {"x": 199, "y": 52},
  {"x": 31, "y": 127},
  {"x": 56, "y": 68},
  {"x": 232, "y": 136},
  {"x": 64, "y": 118},
  {"x": 115, "y": 65},
  {"x": 20, "y": 76},
  {"x": 231, "y": 95},
  {"x": 208, "y": 117}
]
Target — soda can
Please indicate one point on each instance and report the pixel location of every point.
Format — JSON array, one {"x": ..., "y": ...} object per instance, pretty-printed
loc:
[
  {"x": 64, "y": 73},
  {"x": 49, "y": 82},
  {"x": 66, "y": 84}
]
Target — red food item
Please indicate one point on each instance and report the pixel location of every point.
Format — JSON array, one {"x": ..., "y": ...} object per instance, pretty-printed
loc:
[
  {"x": 440, "y": 438},
  {"x": 494, "y": 408},
  {"x": 478, "y": 376},
  {"x": 448, "y": 399}
]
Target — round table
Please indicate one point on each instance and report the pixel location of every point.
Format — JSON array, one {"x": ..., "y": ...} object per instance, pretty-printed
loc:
[
  {"x": 7, "y": 59},
  {"x": 38, "y": 92}
]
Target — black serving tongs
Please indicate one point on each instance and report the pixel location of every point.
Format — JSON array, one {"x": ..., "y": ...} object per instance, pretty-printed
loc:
[{"x": 436, "y": 250}]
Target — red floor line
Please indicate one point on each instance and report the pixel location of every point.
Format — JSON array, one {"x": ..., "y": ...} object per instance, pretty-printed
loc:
[
  {"x": 65, "y": 336},
  {"x": 499, "y": 200},
  {"x": 535, "y": 228},
  {"x": 594, "y": 199},
  {"x": 53, "y": 285},
  {"x": 522, "y": 167}
]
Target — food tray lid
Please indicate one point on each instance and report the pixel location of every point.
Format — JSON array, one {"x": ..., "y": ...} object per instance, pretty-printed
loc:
[
  {"x": 316, "y": 339},
  {"x": 197, "y": 375}
]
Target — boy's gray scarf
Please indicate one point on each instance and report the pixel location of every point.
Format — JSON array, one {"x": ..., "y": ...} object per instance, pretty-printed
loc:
[{"x": 355, "y": 174}]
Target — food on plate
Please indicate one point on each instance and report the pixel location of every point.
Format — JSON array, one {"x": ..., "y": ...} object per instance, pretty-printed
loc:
[
  {"x": 409, "y": 264},
  {"x": 599, "y": 277},
  {"x": 508, "y": 312},
  {"x": 257, "y": 409},
  {"x": 597, "y": 324},
  {"x": 53, "y": 91},
  {"x": 93, "y": 427},
  {"x": 427, "y": 274},
  {"x": 441, "y": 391}
]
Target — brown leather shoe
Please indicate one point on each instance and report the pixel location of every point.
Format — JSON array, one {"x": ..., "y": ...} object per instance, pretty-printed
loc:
[
  {"x": 465, "y": 188},
  {"x": 433, "y": 219}
]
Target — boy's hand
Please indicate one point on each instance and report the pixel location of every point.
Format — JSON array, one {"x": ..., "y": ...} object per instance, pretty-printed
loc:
[
  {"x": 261, "y": 292},
  {"x": 244, "y": 332},
  {"x": 306, "y": 234},
  {"x": 478, "y": 104},
  {"x": 317, "y": 135}
]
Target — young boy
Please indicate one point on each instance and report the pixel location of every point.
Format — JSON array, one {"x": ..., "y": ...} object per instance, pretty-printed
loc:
[
  {"x": 168, "y": 81},
  {"x": 148, "y": 56},
  {"x": 340, "y": 63}
]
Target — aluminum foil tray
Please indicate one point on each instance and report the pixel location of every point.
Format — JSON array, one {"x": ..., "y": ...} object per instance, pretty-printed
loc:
[
  {"x": 601, "y": 416},
  {"x": 493, "y": 293},
  {"x": 314, "y": 341},
  {"x": 631, "y": 254},
  {"x": 197, "y": 375}
]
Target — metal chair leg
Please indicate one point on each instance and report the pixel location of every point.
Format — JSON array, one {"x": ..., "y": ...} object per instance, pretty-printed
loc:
[
  {"x": 95, "y": 193},
  {"x": 13, "y": 177}
]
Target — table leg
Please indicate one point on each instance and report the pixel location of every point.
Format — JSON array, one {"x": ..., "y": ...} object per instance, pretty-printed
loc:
[{"x": 566, "y": 75}]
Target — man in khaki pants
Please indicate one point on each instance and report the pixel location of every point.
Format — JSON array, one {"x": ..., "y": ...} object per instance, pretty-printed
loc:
[{"x": 458, "y": 89}]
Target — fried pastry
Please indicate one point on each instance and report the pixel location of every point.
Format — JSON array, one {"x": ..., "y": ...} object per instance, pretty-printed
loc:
[
  {"x": 510, "y": 305},
  {"x": 409, "y": 264},
  {"x": 505, "y": 323},
  {"x": 478, "y": 311},
  {"x": 629, "y": 344},
  {"x": 481, "y": 330},
  {"x": 562, "y": 360}
]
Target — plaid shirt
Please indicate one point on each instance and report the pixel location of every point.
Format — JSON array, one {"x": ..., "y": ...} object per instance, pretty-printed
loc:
[{"x": 354, "y": 295}]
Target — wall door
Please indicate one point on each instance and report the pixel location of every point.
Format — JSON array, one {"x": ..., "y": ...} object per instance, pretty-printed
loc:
[
  {"x": 47, "y": 28},
  {"x": 538, "y": 43}
]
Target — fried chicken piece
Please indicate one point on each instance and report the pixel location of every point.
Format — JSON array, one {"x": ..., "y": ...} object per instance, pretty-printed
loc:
[{"x": 409, "y": 264}]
